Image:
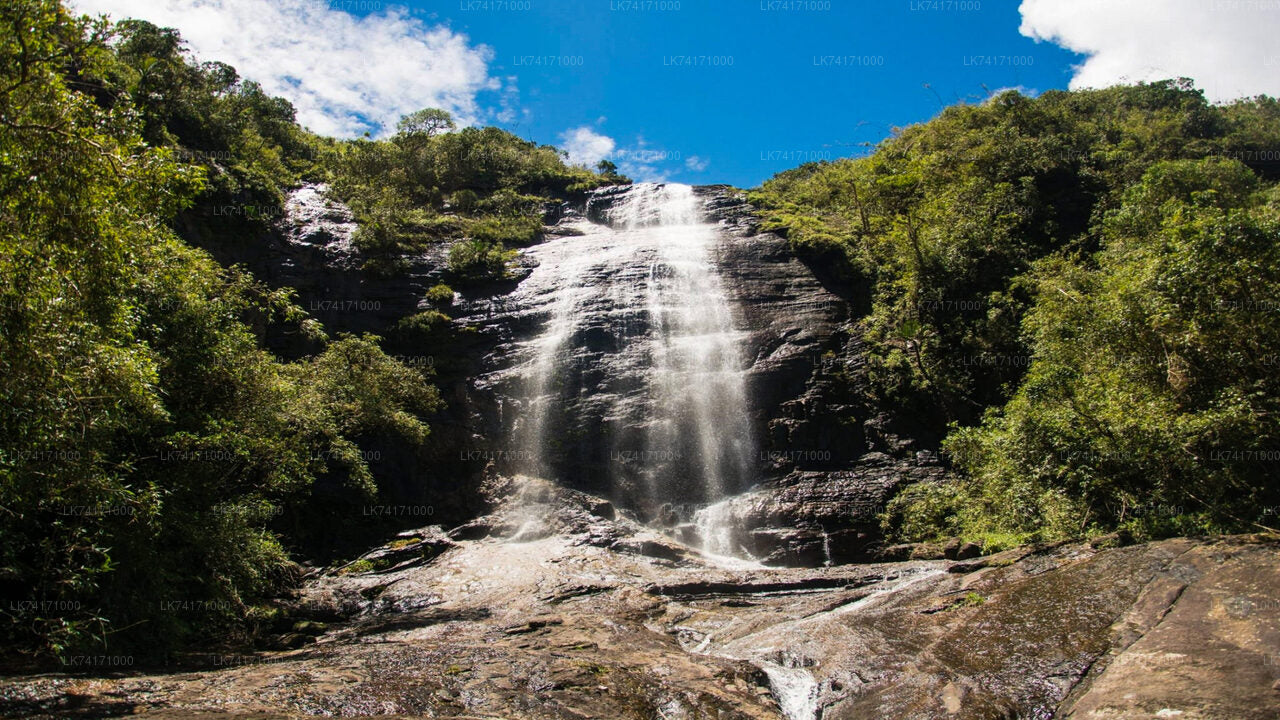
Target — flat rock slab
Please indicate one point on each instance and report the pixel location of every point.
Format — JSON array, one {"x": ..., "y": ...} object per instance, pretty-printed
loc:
[{"x": 560, "y": 627}]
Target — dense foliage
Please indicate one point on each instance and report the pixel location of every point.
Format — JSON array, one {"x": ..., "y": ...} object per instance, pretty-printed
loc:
[
  {"x": 1082, "y": 286},
  {"x": 158, "y": 463},
  {"x": 247, "y": 142},
  {"x": 482, "y": 187}
]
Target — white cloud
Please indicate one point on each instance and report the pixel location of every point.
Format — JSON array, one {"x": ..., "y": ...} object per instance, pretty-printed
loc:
[
  {"x": 638, "y": 161},
  {"x": 586, "y": 146},
  {"x": 695, "y": 163},
  {"x": 509, "y": 102},
  {"x": 344, "y": 74},
  {"x": 1227, "y": 46},
  {"x": 641, "y": 162}
]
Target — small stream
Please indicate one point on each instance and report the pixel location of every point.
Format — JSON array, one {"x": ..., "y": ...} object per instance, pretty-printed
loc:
[{"x": 794, "y": 687}]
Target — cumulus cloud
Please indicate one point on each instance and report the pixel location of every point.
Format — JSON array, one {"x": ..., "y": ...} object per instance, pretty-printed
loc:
[
  {"x": 586, "y": 146},
  {"x": 638, "y": 160},
  {"x": 345, "y": 74},
  {"x": 643, "y": 162},
  {"x": 1227, "y": 46}
]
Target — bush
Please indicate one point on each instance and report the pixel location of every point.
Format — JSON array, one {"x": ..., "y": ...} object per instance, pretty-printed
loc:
[
  {"x": 441, "y": 295},
  {"x": 1015, "y": 258},
  {"x": 427, "y": 184},
  {"x": 1148, "y": 387},
  {"x": 517, "y": 231},
  {"x": 479, "y": 260}
]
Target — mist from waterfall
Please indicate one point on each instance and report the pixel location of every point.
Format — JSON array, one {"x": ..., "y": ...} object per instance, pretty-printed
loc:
[{"x": 639, "y": 329}]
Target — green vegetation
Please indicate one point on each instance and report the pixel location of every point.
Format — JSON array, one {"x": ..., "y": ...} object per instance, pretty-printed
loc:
[
  {"x": 969, "y": 599},
  {"x": 150, "y": 443},
  {"x": 482, "y": 188},
  {"x": 1078, "y": 290},
  {"x": 160, "y": 469},
  {"x": 440, "y": 295},
  {"x": 246, "y": 142}
]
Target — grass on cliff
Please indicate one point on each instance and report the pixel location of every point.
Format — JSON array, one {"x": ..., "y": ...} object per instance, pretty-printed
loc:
[{"x": 483, "y": 189}]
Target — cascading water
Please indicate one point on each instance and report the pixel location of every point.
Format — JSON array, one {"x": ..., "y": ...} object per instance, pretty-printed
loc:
[{"x": 639, "y": 336}]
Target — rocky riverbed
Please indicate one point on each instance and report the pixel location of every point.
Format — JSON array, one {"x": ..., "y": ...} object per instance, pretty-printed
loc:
[{"x": 557, "y": 606}]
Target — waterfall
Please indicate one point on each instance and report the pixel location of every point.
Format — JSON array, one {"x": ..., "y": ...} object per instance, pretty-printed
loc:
[{"x": 637, "y": 357}]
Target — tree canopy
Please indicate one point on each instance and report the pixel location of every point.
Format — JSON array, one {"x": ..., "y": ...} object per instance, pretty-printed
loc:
[{"x": 1073, "y": 289}]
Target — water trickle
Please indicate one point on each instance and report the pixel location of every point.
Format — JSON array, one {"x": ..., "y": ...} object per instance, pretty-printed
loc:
[
  {"x": 793, "y": 686},
  {"x": 715, "y": 530},
  {"x": 638, "y": 337}
]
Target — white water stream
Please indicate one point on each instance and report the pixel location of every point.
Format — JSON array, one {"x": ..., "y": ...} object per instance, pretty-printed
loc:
[{"x": 647, "y": 280}]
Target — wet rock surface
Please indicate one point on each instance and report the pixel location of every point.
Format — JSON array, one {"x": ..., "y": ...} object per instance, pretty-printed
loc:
[
  {"x": 800, "y": 365},
  {"x": 799, "y": 350},
  {"x": 550, "y": 617},
  {"x": 812, "y": 518},
  {"x": 783, "y": 319}
]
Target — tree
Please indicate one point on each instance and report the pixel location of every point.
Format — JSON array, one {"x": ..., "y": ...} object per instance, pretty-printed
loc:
[
  {"x": 148, "y": 437},
  {"x": 1056, "y": 284},
  {"x": 1152, "y": 402},
  {"x": 427, "y": 122}
]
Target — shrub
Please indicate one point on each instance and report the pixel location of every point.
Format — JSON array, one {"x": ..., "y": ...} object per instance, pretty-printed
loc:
[
  {"x": 151, "y": 442},
  {"x": 441, "y": 295},
  {"x": 515, "y": 231},
  {"x": 479, "y": 260}
]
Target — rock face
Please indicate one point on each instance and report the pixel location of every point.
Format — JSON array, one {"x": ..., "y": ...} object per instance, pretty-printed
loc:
[
  {"x": 811, "y": 518},
  {"x": 312, "y": 251},
  {"x": 798, "y": 346},
  {"x": 784, "y": 318},
  {"x": 554, "y": 610},
  {"x": 791, "y": 329}
]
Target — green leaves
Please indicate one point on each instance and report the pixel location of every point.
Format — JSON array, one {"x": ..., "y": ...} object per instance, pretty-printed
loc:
[
  {"x": 484, "y": 185},
  {"x": 1079, "y": 283},
  {"x": 425, "y": 123},
  {"x": 150, "y": 444},
  {"x": 478, "y": 260},
  {"x": 1148, "y": 387}
]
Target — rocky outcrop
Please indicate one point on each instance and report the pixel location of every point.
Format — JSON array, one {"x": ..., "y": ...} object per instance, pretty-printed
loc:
[
  {"x": 560, "y": 612},
  {"x": 311, "y": 249},
  {"x": 802, "y": 372},
  {"x": 807, "y": 401},
  {"x": 810, "y": 518}
]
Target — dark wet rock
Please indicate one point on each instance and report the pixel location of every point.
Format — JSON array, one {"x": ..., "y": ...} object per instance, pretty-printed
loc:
[
  {"x": 813, "y": 517},
  {"x": 310, "y": 627},
  {"x": 384, "y": 622},
  {"x": 603, "y": 509},
  {"x": 476, "y": 529},
  {"x": 533, "y": 625},
  {"x": 955, "y": 549},
  {"x": 292, "y": 641},
  {"x": 909, "y": 551},
  {"x": 801, "y": 349},
  {"x": 650, "y": 548},
  {"x": 796, "y": 341},
  {"x": 754, "y": 585},
  {"x": 408, "y": 549}
]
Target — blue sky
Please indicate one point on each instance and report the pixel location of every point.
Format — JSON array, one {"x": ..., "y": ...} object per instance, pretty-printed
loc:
[
  {"x": 700, "y": 91},
  {"x": 745, "y": 89}
]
